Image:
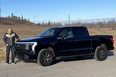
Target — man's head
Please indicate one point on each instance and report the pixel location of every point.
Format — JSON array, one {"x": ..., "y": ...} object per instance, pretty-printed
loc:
[{"x": 9, "y": 31}]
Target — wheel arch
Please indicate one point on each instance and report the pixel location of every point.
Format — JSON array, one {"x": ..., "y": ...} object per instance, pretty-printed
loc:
[
  {"x": 40, "y": 47},
  {"x": 103, "y": 44}
]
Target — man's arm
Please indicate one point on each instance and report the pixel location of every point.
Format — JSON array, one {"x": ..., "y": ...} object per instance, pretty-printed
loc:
[
  {"x": 4, "y": 39},
  {"x": 16, "y": 36}
]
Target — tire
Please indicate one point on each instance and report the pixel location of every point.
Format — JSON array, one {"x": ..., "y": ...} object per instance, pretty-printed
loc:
[
  {"x": 45, "y": 57},
  {"x": 100, "y": 53}
]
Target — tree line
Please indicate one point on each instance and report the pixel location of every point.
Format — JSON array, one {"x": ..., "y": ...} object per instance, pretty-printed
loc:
[
  {"x": 108, "y": 24},
  {"x": 19, "y": 17}
]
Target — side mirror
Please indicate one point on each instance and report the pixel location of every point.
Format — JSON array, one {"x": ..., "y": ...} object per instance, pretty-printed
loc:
[{"x": 61, "y": 37}]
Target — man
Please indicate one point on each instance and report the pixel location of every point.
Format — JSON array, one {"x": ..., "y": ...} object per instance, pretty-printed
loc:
[{"x": 9, "y": 40}]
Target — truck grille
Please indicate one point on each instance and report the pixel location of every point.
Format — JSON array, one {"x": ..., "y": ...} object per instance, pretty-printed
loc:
[{"x": 22, "y": 47}]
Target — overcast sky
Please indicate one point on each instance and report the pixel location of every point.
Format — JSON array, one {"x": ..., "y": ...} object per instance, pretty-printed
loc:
[{"x": 58, "y": 10}]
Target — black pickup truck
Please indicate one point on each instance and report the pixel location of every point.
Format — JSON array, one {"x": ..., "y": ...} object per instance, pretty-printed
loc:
[{"x": 63, "y": 41}]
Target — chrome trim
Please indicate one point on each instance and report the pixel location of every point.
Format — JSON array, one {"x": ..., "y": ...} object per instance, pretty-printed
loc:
[{"x": 33, "y": 46}]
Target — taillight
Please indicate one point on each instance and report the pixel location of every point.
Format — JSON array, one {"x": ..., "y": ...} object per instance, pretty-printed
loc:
[{"x": 112, "y": 40}]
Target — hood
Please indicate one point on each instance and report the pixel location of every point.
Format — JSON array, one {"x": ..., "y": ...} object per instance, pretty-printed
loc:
[{"x": 30, "y": 39}]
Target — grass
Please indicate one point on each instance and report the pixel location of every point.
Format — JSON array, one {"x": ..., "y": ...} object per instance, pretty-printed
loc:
[{"x": 30, "y": 31}]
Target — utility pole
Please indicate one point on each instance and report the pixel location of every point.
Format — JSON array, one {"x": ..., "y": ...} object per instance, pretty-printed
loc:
[
  {"x": 34, "y": 19},
  {"x": 69, "y": 19}
]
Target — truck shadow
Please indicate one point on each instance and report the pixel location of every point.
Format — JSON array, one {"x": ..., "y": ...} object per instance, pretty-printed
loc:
[
  {"x": 78, "y": 58},
  {"x": 31, "y": 61},
  {"x": 110, "y": 53},
  {"x": 67, "y": 59}
]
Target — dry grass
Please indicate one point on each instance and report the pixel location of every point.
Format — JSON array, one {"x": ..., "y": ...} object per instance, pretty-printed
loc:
[{"x": 29, "y": 31}]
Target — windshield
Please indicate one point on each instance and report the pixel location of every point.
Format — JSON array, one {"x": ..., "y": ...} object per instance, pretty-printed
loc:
[{"x": 49, "y": 32}]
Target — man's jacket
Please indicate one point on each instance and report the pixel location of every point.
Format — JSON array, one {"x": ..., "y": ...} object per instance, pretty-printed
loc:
[{"x": 10, "y": 38}]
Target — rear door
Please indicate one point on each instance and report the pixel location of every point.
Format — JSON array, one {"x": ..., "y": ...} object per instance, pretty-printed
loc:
[{"x": 83, "y": 43}]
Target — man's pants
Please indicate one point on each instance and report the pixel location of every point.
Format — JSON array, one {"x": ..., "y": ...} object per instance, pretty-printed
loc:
[{"x": 8, "y": 49}]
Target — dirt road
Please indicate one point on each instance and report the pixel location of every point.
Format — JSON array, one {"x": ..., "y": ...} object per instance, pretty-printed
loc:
[{"x": 72, "y": 68}]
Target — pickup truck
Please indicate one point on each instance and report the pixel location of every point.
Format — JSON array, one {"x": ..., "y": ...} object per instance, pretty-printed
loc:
[{"x": 63, "y": 41}]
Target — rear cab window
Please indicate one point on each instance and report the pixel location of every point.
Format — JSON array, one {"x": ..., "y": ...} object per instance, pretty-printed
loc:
[{"x": 81, "y": 32}]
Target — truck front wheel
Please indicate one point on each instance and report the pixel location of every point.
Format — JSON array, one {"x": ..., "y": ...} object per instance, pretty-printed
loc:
[
  {"x": 100, "y": 53},
  {"x": 45, "y": 57}
]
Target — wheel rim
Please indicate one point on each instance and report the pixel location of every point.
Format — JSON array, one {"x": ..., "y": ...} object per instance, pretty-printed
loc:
[
  {"x": 46, "y": 58},
  {"x": 102, "y": 54}
]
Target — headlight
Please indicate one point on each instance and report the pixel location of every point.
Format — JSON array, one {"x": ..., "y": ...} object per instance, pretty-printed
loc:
[
  {"x": 26, "y": 46},
  {"x": 30, "y": 46}
]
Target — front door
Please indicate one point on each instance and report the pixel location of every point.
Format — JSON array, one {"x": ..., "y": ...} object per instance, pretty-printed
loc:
[{"x": 65, "y": 42}]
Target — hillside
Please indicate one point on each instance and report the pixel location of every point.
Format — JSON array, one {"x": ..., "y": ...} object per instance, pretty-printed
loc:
[{"x": 14, "y": 21}]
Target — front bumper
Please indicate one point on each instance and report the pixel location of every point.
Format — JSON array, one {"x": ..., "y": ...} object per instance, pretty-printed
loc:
[
  {"x": 25, "y": 55},
  {"x": 25, "y": 50}
]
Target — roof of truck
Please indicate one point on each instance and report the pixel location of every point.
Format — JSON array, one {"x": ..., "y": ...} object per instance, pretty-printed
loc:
[{"x": 69, "y": 27}]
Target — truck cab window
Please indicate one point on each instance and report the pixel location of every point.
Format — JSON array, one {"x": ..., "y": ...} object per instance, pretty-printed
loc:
[{"x": 67, "y": 33}]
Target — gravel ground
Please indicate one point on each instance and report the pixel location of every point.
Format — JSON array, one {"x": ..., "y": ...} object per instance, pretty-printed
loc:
[{"x": 86, "y": 67}]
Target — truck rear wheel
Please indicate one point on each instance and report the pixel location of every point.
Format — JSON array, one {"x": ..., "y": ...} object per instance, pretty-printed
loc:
[
  {"x": 100, "y": 53},
  {"x": 45, "y": 57}
]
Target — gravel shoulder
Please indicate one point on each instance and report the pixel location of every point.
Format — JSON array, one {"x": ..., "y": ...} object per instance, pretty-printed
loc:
[{"x": 72, "y": 68}]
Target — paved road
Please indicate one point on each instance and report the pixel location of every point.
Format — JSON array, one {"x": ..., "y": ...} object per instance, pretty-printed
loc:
[{"x": 71, "y": 68}]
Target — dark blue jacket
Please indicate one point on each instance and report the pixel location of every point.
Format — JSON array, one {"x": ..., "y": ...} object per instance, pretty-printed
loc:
[{"x": 10, "y": 38}]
